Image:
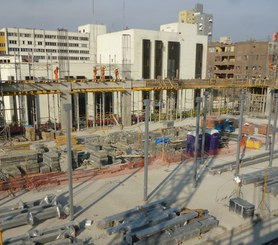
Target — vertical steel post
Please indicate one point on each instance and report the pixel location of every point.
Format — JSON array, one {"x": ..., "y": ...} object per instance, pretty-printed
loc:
[
  {"x": 242, "y": 97},
  {"x": 273, "y": 131},
  {"x": 67, "y": 108},
  {"x": 146, "y": 148},
  {"x": 206, "y": 93},
  {"x": 198, "y": 101},
  {"x": 269, "y": 121}
]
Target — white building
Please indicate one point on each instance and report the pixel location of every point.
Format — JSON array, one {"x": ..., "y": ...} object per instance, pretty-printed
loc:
[{"x": 175, "y": 51}]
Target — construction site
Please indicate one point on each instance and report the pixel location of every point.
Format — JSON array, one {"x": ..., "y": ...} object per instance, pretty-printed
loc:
[
  {"x": 117, "y": 138},
  {"x": 144, "y": 179}
]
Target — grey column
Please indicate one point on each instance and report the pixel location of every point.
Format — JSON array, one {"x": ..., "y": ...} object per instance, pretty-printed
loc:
[
  {"x": 65, "y": 98},
  {"x": 76, "y": 111},
  {"x": 198, "y": 101},
  {"x": 146, "y": 148},
  {"x": 242, "y": 98},
  {"x": 273, "y": 131},
  {"x": 67, "y": 108},
  {"x": 206, "y": 93}
]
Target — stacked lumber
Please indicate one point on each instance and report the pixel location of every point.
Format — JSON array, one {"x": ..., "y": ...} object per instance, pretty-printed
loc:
[{"x": 262, "y": 129}]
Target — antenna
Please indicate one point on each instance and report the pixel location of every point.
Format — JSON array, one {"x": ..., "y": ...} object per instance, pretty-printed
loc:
[
  {"x": 93, "y": 9},
  {"x": 124, "y": 26}
]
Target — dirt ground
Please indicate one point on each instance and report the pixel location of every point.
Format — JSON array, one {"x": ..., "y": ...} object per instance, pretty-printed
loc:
[{"x": 101, "y": 197}]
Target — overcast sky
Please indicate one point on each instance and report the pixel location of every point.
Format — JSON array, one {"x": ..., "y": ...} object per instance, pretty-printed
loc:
[{"x": 239, "y": 19}]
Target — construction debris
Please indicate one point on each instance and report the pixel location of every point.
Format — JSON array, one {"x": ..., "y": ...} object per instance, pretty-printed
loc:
[{"x": 158, "y": 223}]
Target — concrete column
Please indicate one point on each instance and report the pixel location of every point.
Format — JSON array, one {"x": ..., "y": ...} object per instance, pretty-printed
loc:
[
  {"x": 126, "y": 108},
  {"x": 76, "y": 111},
  {"x": 268, "y": 106},
  {"x": 91, "y": 107},
  {"x": 164, "y": 101},
  {"x": 115, "y": 103},
  {"x": 140, "y": 100},
  {"x": 151, "y": 102},
  {"x": 38, "y": 111},
  {"x": 119, "y": 106}
]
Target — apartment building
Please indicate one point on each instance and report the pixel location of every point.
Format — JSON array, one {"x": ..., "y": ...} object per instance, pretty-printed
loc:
[
  {"x": 35, "y": 49},
  {"x": 241, "y": 60},
  {"x": 203, "y": 21}
]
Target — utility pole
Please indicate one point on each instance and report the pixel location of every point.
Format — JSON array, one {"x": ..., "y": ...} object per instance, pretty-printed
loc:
[
  {"x": 67, "y": 108},
  {"x": 146, "y": 148},
  {"x": 206, "y": 94},
  {"x": 242, "y": 98},
  {"x": 198, "y": 101},
  {"x": 269, "y": 120},
  {"x": 273, "y": 132}
]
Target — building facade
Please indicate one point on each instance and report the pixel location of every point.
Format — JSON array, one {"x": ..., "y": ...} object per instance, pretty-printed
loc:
[
  {"x": 203, "y": 21},
  {"x": 242, "y": 60}
]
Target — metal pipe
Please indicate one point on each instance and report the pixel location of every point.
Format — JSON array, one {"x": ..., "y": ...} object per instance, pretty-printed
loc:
[
  {"x": 198, "y": 101},
  {"x": 273, "y": 131},
  {"x": 269, "y": 120},
  {"x": 146, "y": 148},
  {"x": 242, "y": 97},
  {"x": 67, "y": 108},
  {"x": 206, "y": 93}
]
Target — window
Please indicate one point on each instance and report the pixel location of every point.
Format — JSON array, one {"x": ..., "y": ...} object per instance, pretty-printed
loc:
[
  {"x": 39, "y": 43},
  {"x": 2, "y": 34},
  {"x": 84, "y": 52},
  {"x": 39, "y": 50},
  {"x": 73, "y": 45},
  {"x": 12, "y": 34},
  {"x": 73, "y": 38},
  {"x": 50, "y": 36},
  {"x": 29, "y": 42},
  {"x": 25, "y": 34},
  {"x": 50, "y": 44},
  {"x": 26, "y": 50},
  {"x": 84, "y": 38},
  {"x": 13, "y": 49},
  {"x": 246, "y": 67},
  {"x": 74, "y": 51},
  {"x": 38, "y": 36},
  {"x": 12, "y": 42},
  {"x": 2, "y": 45},
  {"x": 84, "y": 45}
]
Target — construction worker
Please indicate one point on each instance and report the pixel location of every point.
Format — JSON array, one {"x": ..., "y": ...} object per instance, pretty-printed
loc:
[
  {"x": 56, "y": 73},
  {"x": 103, "y": 72},
  {"x": 116, "y": 73},
  {"x": 95, "y": 73}
]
